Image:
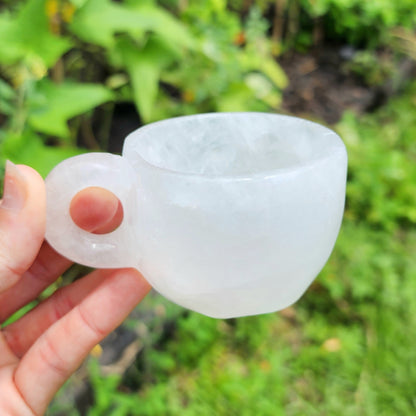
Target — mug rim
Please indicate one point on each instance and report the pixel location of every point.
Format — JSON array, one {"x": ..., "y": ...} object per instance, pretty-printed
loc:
[{"x": 339, "y": 149}]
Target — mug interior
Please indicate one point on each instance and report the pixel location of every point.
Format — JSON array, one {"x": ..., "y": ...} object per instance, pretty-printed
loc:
[{"x": 232, "y": 144}]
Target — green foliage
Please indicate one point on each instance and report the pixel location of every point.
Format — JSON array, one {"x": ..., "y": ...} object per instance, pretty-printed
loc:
[
  {"x": 62, "y": 59},
  {"x": 373, "y": 69},
  {"x": 382, "y": 150},
  {"x": 7, "y": 96},
  {"x": 145, "y": 68},
  {"x": 28, "y": 148},
  {"x": 236, "y": 70},
  {"x": 27, "y": 38},
  {"x": 404, "y": 41},
  {"x": 362, "y": 22},
  {"x": 51, "y": 105},
  {"x": 195, "y": 335},
  {"x": 108, "y": 399}
]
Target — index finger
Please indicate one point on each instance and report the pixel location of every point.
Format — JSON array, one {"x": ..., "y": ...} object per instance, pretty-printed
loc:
[
  {"x": 95, "y": 210},
  {"x": 22, "y": 222},
  {"x": 62, "y": 348}
]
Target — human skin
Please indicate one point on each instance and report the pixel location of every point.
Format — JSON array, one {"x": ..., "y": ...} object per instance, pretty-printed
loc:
[{"x": 40, "y": 351}]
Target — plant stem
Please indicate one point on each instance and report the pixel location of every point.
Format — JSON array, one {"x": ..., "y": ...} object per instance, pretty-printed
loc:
[
  {"x": 58, "y": 71},
  {"x": 278, "y": 21},
  {"x": 19, "y": 119},
  {"x": 88, "y": 135}
]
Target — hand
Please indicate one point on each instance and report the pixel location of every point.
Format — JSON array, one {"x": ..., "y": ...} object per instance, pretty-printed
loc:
[{"x": 43, "y": 348}]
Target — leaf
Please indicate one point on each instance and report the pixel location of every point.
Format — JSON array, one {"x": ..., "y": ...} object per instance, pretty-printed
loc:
[
  {"x": 265, "y": 64},
  {"x": 7, "y": 94},
  {"x": 144, "y": 67},
  {"x": 145, "y": 78},
  {"x": 6, "y": 91},
  {"x": 27, "y": 148},
  {"x": 10, "y": 50},
  {"x": 164, "y": 24},
  {"x": 5, "y": 107},
  {"x": 99, "y": 20},
  {"x": 27, "y": 36},
  {"x": 78, "y": 3},
  {"x": 53, "y": 105},
  {"x": 263, "y": 89},
  {"x": 274, "y": 72},
  {"x": 45, "y": 158},
  {"x": 239, "y": 97}
]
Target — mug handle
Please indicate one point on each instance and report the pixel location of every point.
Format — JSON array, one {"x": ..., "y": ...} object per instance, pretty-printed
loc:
[{"x": 108, "y": 171}]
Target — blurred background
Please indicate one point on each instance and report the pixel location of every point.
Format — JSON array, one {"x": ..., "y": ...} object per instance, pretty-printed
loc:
[{"x": 79, "y": 75}]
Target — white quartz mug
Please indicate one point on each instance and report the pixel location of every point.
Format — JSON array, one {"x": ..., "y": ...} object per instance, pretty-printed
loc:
[{"x": 227, "y": 214}]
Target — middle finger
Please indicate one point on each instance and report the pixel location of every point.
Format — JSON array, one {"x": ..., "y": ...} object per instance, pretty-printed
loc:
[
  {"x": 93, "y": 209},
  {"x": 47, "y": 267},
  {"x": 20, "y": 335}
]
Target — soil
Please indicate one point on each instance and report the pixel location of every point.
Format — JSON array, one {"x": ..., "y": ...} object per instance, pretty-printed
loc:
[
  {"x": 320, "y": 87},
  {"x": 125, "y": 120}
]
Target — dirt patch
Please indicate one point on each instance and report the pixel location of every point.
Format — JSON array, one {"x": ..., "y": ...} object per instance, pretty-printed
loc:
[{"x": 321, "y": 87}]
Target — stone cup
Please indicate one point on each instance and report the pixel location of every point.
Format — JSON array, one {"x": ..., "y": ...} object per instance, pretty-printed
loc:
[{"x": 227, "y": 214}]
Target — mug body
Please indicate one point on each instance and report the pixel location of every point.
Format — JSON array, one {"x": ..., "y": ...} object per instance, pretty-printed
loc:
[{"x": 236, "y": 213}]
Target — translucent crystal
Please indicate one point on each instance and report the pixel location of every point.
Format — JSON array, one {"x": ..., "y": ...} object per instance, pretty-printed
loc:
[{"x": 226, "y": 214}]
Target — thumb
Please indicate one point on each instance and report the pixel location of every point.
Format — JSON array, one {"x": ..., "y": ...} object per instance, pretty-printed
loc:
[{"x": 22, "y": 222}]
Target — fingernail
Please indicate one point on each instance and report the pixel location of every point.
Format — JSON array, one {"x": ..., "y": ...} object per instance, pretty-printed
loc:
[{"x": 14, "y": 194}]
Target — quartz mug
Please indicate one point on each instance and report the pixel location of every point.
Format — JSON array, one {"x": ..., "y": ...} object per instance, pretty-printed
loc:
[{"x": 227, "y": 214}]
